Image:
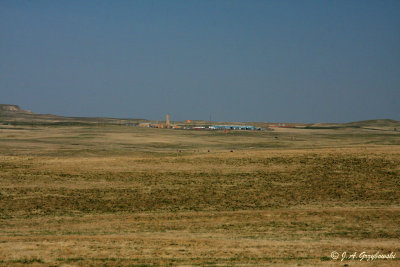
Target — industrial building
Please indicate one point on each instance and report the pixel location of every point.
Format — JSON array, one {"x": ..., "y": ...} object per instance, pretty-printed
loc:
[
  {"x": 232, "y": 127},
  {"x": 170, "y": 125},
  {"x": 167, "y": 124}
]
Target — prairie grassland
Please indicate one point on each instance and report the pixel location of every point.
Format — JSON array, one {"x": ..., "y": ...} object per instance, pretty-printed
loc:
[{"x": 115, "y": 195}]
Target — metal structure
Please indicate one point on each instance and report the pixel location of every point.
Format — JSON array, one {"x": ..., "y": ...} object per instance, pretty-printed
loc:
[
  {"x": 167, "y": 123},
  {"x": 233, "y": 127}
]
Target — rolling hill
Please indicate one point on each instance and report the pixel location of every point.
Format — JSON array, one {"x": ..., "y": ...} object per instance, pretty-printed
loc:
[{"x": 13, "y": 114}]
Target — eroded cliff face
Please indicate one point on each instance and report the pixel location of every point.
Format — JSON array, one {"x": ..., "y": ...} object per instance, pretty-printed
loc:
[
  {"x": 13, "y": 113},
  {"x": 12, "y": 108}
]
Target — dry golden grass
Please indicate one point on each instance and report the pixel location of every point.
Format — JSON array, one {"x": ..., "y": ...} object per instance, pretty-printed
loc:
[{"x": 112, "y": 196}]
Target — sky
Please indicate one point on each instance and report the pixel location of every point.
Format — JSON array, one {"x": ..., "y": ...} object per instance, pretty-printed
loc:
[{"x": 271, "y": 61}]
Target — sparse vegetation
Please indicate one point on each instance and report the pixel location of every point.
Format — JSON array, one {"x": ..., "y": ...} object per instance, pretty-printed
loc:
[{"x": 117, "y": 196}]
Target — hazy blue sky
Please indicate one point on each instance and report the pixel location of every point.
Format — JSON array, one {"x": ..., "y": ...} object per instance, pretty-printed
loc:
[{"x": 288, "y": 61}]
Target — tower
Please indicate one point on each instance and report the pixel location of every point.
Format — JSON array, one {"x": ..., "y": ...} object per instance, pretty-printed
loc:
[{"x": 167, "y": 121}]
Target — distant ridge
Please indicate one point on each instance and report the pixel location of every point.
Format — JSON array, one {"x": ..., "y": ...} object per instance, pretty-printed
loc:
[
  {"x": 5, "y": 107},
  {"x": 378, "y": 124},
  {"x": 13, "y": 114}
]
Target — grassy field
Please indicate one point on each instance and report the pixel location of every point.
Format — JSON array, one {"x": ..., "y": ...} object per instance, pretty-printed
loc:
[{"x": 110, "y": 195}]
